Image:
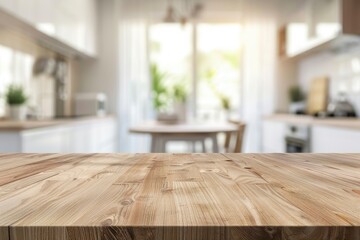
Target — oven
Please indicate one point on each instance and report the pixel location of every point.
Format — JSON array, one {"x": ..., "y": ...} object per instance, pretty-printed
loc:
[{"x": 297, "y": 139}]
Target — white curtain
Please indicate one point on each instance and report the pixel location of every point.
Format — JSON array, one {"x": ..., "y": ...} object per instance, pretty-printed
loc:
[
  {"x": 135, "y": 99},
  {"x": 259, "y": 66}
]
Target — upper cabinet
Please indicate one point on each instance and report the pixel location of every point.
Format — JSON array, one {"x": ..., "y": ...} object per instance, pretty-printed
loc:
[
  {"x": 72, "y": 22},
  {"x": 321, "y": 24}
]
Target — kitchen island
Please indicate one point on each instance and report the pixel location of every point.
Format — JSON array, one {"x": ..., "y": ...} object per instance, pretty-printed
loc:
[{"x": 179, "y": 196}]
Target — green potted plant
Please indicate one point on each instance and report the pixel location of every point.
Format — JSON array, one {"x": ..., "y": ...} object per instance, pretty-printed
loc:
[
  {"x": 159, "y": 91},
  {"x": 297, "y": 100},
  {"x": 225, "y": 104},
  {"x": 225, "y": 101},
  {"x": 16, "y": 99},
  {"x": 161, "y": 95}
]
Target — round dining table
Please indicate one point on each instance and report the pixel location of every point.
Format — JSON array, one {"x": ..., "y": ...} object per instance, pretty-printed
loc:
[{"x": 161, "y": 133}]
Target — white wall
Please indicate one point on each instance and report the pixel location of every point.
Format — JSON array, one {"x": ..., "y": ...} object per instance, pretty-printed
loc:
[
  {"x": 342, "y": 68},
  {"x": 101, "y": 75}
]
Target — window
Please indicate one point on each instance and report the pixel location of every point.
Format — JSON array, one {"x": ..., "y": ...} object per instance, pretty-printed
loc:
[
  {"x": 15, "y": 67},
  {"x": 206, "y": 59},
  {"x": 171, "y": 53},
  {"x": 218, "y": 80}
]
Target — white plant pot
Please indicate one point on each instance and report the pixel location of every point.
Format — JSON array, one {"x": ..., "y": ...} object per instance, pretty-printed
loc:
[
  {"x": 17, "y": 112},
  {"x": 180, "y": 111},
  {"x": 227, "y": 114},
  {"x": 296, "y": 107}
]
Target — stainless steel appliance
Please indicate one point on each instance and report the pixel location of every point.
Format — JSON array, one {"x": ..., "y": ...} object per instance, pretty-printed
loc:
[
  {"x": 341, "y": 108},
  {"x": 297, "y": 139},
  {"x": 90, "y": 104}
]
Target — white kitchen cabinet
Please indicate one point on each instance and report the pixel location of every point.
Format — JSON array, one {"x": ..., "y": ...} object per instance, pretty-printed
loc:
[
  {"x": 51, "y": 140},
  {"x": 75, "y": 24},
  {"x": 72, "y": 22},
  {"x": 316, "y": 22},
  {"x": 9, "y": 5},
  {"x": 321, "y": 25},
  {"x": 93, "y": 137},
  {"x": 87, "y": 136},
  {"x": 273, "y": 136},
  {"x": 10, "y": 142},
  {"x": 25, "y": 9},
  {"x": 335, "y": 140}
]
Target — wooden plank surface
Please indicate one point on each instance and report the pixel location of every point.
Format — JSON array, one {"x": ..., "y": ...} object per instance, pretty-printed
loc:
[
  {"x": 4, "y": 233},
  {"x": 180, "y": 196}
]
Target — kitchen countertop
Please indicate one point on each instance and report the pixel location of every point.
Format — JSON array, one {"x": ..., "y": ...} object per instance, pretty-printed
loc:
[
  {"x": 8, "y": 125},
  {"x": 179, "y": 196},
  {"x": 352, "y": 123}
]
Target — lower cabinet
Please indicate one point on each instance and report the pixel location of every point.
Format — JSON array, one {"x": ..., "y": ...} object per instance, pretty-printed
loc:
[
  {"x": 273, "y": 140},
  {"x": 335, "y": 140},
  {"x": 323, "y": 138},
  {"x": 50, "y": 140},
  {"x": 96, "y": 136}
]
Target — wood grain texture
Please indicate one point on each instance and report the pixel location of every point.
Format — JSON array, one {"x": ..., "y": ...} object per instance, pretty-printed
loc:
[
  {"x": 234, "y": 141},
  {"x": 184, "y": 233},
  {"x": 4, "y": 233},
  {"x": 180, "y": 196},
  {"x": 317, "y": 100},
  {"x": 351, "y": 16}
]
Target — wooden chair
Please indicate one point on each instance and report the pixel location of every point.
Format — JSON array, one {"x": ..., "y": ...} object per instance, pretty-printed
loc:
[{"x": 234, "y": 140}]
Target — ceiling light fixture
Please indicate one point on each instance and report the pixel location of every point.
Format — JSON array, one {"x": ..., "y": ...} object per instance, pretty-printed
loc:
[{"x": 182, "y": 11}]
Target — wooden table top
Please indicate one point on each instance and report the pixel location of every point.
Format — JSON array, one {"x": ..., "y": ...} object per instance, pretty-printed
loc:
[
  {"x": 179, "y": 196},
  {"x": 183, "y": 128}
]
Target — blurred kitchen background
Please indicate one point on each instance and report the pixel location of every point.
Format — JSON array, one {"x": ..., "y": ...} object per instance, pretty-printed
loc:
[{"x": 179, "y": 76}]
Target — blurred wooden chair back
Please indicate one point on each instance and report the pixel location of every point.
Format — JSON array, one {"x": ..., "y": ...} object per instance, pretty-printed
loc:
[{"x": 234, "y": 140}]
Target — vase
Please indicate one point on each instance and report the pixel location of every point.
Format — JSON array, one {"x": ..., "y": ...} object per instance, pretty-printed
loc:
[
  {"x": 17, "y": 112},
  {"x": 180, "y": 111}
]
